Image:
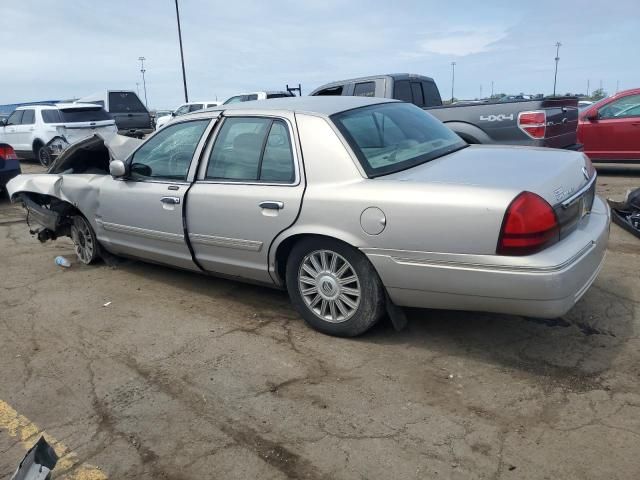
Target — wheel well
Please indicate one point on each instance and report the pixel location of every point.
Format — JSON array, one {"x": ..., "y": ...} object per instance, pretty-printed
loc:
[
  {"x": 37, "y": 143},
  {"x": 470, "y": 140},
  {"x": 284, "y": 249}
]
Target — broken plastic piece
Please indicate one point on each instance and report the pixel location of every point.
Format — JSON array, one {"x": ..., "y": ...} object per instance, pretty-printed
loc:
[
  {"x": 63, "y": 262},
  {"x": 38, "y": 463}
]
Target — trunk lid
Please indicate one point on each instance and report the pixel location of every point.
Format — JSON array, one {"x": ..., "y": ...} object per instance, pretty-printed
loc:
[{"x": 555, "y": 175}]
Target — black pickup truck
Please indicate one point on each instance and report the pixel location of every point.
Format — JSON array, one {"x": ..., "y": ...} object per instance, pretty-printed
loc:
[{"x": 546, "y": 122}]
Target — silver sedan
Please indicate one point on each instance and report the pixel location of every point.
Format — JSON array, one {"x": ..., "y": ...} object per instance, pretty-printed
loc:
[{"x": 356, "y": 206}]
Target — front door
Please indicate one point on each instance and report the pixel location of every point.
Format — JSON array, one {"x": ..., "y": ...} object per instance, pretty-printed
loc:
[
  {"x": 615, "y": 135},
  {"x": 141, "y": 215},
  {"x": 246, "y": 194}
]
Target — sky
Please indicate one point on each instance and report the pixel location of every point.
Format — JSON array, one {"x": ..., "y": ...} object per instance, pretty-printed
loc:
[{"x": 60, "y": 49}]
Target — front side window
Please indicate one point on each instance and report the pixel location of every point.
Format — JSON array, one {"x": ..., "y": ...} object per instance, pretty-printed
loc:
[
  {"x": 251, "y": 150},
  {"x": 365, "y": 89},
  {"x": 182, "y": 110},
  {"x": 391, "y": 137},
  {"x": 15, "y": 118},
  {"x": 168, "y": 154},
  {"x": 622, "y": 108},
  {"x": 28, "y": 117}
]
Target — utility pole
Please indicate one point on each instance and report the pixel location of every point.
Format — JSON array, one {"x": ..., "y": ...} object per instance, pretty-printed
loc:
[
  {"x": 453, "y": 78},
  {"x": 138, "y": 88},
  {"x": 491, "y": 88},
  {"x": 480, "y": 92},
  {"x": 588, "y": 85},
  {"x": 144, "y": 82},
  {"x": 617, "y": 85},
  {"x": 555, "y": 77},
  {"x": 184, "y": 75}
]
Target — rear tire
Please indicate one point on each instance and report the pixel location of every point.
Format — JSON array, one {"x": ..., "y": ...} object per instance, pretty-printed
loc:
[
  {"x": 334, "y": 287},
  {"x": 42, "y": 154},
  {"x": 84, "y": 240}
]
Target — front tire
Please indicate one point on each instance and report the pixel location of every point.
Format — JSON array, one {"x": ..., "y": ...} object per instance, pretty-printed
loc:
[
  {"x": 84, "y": 240},
  {"x": 334, "y": 287}
]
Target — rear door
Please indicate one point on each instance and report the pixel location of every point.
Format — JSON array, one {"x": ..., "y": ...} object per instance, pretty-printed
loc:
[
  {"x": 615, "y": 134},
  {"x": 24, "y": 131},
  {"x": 128, "y": 111},
  {"x": 141, "y": 215},
  {"x": 247, "y": 192}
]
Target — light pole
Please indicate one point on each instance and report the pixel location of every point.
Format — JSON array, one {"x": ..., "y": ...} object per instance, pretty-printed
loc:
[
  {"x": 555, "y": 77},
  {"x": 491, "y": 88},
  {"x": 138, "y": 88},
  {"x": 588, "y": 86},
  {"x": 184, "y": 75},
  {"x": 453, "y": 78},
  {"x": 144, "y": 82}
]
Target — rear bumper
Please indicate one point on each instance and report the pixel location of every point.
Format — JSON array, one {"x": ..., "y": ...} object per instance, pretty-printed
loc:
[
  {"x": 135, "y": 132},
  {"x": 547, "y": 284}
]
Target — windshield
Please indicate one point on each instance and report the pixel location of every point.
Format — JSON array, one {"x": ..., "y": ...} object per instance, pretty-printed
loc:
[{"x": 391, "y": 137}]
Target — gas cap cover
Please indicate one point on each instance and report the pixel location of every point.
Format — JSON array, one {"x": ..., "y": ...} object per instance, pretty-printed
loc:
[{"x": 373, "y": 220}]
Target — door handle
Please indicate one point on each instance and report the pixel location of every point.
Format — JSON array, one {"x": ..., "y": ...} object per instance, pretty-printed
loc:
[
  {"x": 272, "y": 205},
  {"x": 171, "y": 200}
]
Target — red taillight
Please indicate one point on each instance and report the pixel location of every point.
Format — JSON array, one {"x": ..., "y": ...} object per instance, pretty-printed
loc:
[
  {"x": 7, "y": 152},
  {"x": 529, "y": 225},
  {"x": 533, "y": 124}
]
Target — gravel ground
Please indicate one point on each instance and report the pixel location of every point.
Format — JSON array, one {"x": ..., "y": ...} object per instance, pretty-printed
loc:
[{"x": 182, "y": 376}]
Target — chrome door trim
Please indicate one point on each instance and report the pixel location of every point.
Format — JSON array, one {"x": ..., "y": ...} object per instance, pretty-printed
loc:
[
  {"x": 216, "y": 241},
  {"x": 141, "y": 232}
]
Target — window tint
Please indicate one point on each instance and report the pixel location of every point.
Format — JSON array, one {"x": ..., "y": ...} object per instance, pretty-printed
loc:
[
  {"x": 195, "y": 107},
  {"x": 169, "y": 152},
  {"x": 15, "y": 118},
  {"x": 416, "y": 91},
  {"x": 28, "y": 117},
  {"x": 621, "y": 108},
  {"x": 236, "y": 99},
  {"x": 252, "y": 149},
  {"x": 277, "y": 160},
  {"x": 125, "y": 102},
  {"x": 93, "y": 114},
  {"x": 402, "y": 91},
  {"x": 366, "y": 89},
  {"x": 278, "y": 95},
  {"x": 391, "y": 137},
  {"x": 248, "y": 98},
  {"x": 51, "y": 116},
  {"x": 431, "y": 94},
  {"x": 330, "y": 91}
]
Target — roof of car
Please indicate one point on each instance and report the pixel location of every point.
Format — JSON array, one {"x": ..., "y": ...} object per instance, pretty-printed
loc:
[
  {"x": 50, "y": 106},
  {"x": 324, "y": 105},
  {"x": 395, "y": 76}
]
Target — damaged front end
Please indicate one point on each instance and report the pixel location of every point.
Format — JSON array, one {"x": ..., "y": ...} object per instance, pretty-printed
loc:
[{"x": 71, "y": 185}]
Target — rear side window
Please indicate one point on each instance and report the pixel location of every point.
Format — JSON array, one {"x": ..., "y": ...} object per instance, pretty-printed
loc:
[
  {"x": 248, "y": 98},
  {"x": 278, "y": 95},
  {"x": 365, "y": 89},
  {"x": 15, "y": 118},
  {"x": 94, "y": 114},
  {"x": 28, "y": 117},
  {"x": 51, "y": 116},
  {"x": 195, "y": 107},
  {"x": 252, "y": 149},
  {"x": 330, "y": 91},
  {"x": 402, "y": 91},
  {"x": 125, "y": 102}
]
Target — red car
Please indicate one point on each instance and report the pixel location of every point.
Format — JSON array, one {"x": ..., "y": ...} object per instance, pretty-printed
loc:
[{"x": 610, "y": 128}]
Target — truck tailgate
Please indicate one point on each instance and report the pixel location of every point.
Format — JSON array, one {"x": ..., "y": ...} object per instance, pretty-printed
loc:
[{"x": 562, "y": 122}]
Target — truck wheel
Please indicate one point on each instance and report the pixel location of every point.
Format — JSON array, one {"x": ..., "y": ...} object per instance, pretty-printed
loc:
[
  {"x": 84, "y": 240},
  {"x": 334, "y": 287},
  {"x": 42, "y": 154}
]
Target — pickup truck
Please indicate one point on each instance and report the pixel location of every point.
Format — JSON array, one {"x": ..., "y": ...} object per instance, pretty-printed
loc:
[{"x": 546, "y": 122}]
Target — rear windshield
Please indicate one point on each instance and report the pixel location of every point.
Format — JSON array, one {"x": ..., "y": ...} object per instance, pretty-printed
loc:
[
  {"x": 391, "y": 137},
  {"x": 72, "y": 115},
  {"x": 120, "y": 102}
]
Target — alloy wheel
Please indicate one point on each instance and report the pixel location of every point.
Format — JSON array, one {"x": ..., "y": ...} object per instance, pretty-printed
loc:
[{"x": 83, "y": 240}]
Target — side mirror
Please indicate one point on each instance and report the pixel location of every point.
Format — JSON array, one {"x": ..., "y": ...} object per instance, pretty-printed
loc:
[
  {"x": 117, "y": 169},
  {"x": 173, "y": 114},
  {"x": 592, "y": 116}
]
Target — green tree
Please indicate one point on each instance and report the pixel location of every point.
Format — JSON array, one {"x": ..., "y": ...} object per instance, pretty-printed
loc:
[{"x": 598, "y": 94}]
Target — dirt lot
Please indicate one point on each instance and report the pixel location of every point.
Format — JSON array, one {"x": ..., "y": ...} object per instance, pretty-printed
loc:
[{"x": 187, "y": 377}]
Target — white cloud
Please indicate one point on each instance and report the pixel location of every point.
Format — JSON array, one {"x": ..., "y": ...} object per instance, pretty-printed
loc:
[{"x": 461, "y": 42}]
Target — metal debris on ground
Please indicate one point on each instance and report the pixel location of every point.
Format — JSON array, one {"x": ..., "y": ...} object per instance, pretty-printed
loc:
[{"x": 38, "y": 463}]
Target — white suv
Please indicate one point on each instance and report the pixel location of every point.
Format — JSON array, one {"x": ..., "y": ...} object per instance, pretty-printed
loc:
[
  {"x": 30, "y": 129},
  {"x": 182, "y": 109}
]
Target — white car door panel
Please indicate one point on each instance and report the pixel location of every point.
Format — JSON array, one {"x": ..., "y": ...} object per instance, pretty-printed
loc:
[{"x": 248, "y": 192}]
